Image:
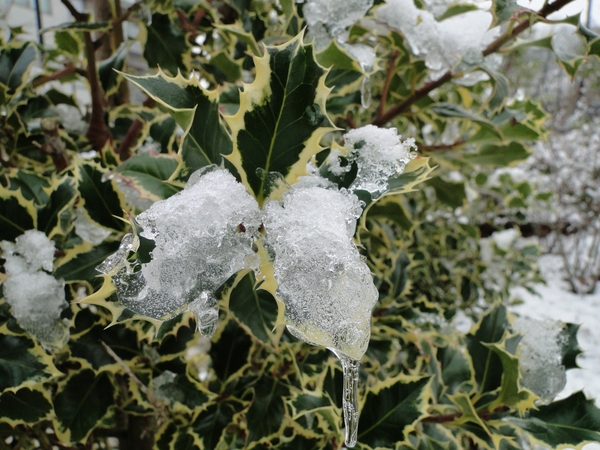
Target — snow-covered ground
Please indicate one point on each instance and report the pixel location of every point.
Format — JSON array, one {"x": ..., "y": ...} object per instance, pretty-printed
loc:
[{"x": 556, "y": 302}]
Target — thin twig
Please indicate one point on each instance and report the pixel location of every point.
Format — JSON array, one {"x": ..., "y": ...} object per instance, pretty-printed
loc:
[
  {"x": 76, "y": 14},
  {"x": 124, "y": 149},
  {"x": 386, "y": 85},
  {"x": 68, "y": 70}
]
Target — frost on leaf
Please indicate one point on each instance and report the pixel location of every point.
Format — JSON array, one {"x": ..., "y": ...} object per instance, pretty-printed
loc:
[
  {"x": 540, "y": 359},
  {"x": 460, "y": 38},
  {"x": 326, "y": 287},
  {"x": 186, "y": 247},
  {"x": 379, "y": 154},
  {"x": 36, "y": 297}
]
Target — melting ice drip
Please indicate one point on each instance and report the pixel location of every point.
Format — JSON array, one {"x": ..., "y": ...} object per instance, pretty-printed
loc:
[
  {"x": 187, "y": 246},
  {"x": 325, "y": 285}
]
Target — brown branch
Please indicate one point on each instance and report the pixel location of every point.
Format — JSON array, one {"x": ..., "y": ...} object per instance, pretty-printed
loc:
[
  {"x": 68, "y": 70},
  {"x": 493, "y": 47},
  {"x": 445, "y": 418},
  {"x": 76, "y": 14},
  {"x": 441, "y": 147},
  {"x": 124, "y": 150},
  {"x": 403, "y": 106},
  {"x": 54, "y": 145},
  {"x": 386, "y": 85}
]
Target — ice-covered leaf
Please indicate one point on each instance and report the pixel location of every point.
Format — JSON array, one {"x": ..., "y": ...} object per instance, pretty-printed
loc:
[
  {"x": 196, "y": 111},
  {"x": 21, "y": 360},
  {"x": 281, "y": 118},
  {"x": 391, "y": 410},
  {"x": 326, "y": 288},
  {"x": 256, "y": 309},
  {"x": 81, "y": 402},
  {"x": 185, "y": 247},
  {"x": 26, "y": 405},
  {"x": 566, "y": 423}
]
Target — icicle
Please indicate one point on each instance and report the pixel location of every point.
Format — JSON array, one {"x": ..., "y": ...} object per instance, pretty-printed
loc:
[
  {"x": 350, "y": 399},
  {"x": 206, "y": 310},
  {"x": 365, "y": 91}
]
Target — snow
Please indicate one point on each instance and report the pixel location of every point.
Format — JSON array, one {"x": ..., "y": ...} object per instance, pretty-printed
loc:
[
  {"x": 36, "y": 297},
  {"x": 325, "y": 285},
  {"x": 557, "y": 303},
  {"x": 379, "y": 154},
  {"x": 444, "y": 44},
  {"x": 200, "y": 237}
]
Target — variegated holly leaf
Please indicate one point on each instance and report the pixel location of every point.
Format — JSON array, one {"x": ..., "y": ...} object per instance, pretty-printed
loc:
[
  {"x": 281, "y": 119},
  {"x": 196, "y": 110},
  {"x": 15, "y": 62},
  {"x": 82, "y": 400}
]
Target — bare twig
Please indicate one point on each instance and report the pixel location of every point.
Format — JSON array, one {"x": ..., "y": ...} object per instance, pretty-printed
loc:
[
  {"x": 68, "y": 70},
  {"x": 124, "y": 149},
  {"x": 386, "y": 85}
]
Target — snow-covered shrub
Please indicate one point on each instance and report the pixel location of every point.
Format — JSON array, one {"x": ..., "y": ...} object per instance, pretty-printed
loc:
[{"x": 268, "y": 191}]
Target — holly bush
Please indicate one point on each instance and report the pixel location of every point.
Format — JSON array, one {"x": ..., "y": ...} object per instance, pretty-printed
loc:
[{"x": 266, "y": 91}]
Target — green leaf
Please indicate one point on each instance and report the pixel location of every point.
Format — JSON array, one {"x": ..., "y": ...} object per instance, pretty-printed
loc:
[
  {"x": 101, "y": 200},
  {"x": 15, "y": 63},
  {"x": 66, "y": 42},
  {"x": 489, "y": 330},
  {"x": 62, "y": 196},
  {"x": 456, "y": 9},
  {"x": 79, "y": 26},
  {"x": 501, "y": 90},
  {"x": 21, "y": 360},
  {"x": 211, "y": 422},
  {"x": 511, "y": 394},
  {"x": 243, "y": 36},
  {"x": 391, "y": 208},
  {"x": 196, "y": 111},
  {"x": 106, "y": 69},
  {"x": 266, "y": 413},
  {"x": 450, "y": 193},
  {"x": 15, "y": 216},
  {"x": 501, "y": 155},
  {"x": 83, "y": 266},
  {"x": 24, "y": 406},
  {"x": 230, "y": 350},
  {"x": 454, "y": 111},
  {"x": 564, "y": 423},
  {"x": 31, "y": 185},
  {"x": 149, "y": 176},
  {"x": 230, "y": 69},
  {"x": 165, "y": 45},
  {"x": 256, "y": 309},
  {"x": 281, "y": 117},
  {"x": 570, "y": 347},
  {"x": 456, "y": 368},
  {"x": 391, "y": 410},
  {"x": 87, "y": 345},
  {"x": 503, "y": 10},
  {"x": 81, "y": 402}
]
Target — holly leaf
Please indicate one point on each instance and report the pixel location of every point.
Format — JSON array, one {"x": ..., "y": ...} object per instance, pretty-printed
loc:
[
  {"x": 81, "y": 402},
  {"x": 281, "y": 119},
  {"x": 21, "y": 360},
  {"x": 195, "y": 110},
  {"x": 566, "y": 423},
  {"x": 391, "y": 410},
  {"x": 25, "y": 406}
]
